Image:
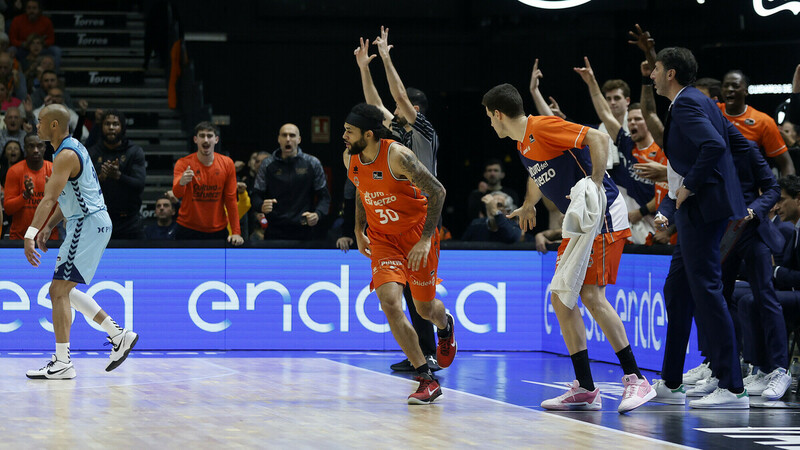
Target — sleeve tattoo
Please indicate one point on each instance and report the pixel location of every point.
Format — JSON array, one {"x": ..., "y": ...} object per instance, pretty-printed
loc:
[
  {"x": 361, "y": 215},
  {"x": 423, "y": 179}
]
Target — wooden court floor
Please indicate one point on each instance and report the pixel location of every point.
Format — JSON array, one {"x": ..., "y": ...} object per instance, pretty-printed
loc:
[{"x": 274, "y": 402}]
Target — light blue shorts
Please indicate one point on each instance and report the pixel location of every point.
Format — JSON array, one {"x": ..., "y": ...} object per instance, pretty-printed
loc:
[{"x": 80, "y": 252}]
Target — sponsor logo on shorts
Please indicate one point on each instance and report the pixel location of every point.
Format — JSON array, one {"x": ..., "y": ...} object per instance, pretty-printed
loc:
[
  {"x": 103, "y": 229},
  {"x": 391, "y": 264}
]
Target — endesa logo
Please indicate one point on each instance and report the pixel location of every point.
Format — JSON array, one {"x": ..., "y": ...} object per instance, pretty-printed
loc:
[{"x": 267, "y": 292}]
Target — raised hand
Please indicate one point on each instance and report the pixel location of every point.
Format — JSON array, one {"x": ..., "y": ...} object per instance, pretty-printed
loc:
[
  {"x": 186, "y": 178},
  {"x": 28, "y": 187},
  {"x": 382, "y": 42},
  {"x": 556, "y": 109},
  {"x": 536, "y": 75},
  {"x": 642, "y": 39},
  {"x": 363, "y": 57},
  {"x": 586, "y": 72}
]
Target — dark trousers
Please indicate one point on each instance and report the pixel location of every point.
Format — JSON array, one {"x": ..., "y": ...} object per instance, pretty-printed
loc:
[
  {"x": 764, "y": 308},
  {"x": 758, "y": 347},
  {"x": 126, "y": 226},
  {"x": 424, "y": 329},
  {"x": 694, "y": 287},
  {"x": 187, "y": 234}
]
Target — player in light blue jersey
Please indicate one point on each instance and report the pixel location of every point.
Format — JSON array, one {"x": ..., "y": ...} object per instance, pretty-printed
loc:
[{"x": 72, "y": 194}]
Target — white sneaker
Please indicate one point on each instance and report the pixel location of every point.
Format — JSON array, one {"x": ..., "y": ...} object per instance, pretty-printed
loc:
[
  {"x": 756, "y": 383},
  {"x": 53, "y": 370},
  {"x": 667, "y": 395},
  {"x": 722, "y": 399},
  {"x": 122, "y": 345},
  {"x": 778, "y": 382},
  {"x": 703, "y": 387},
  {"x": 700, "y": 372}
]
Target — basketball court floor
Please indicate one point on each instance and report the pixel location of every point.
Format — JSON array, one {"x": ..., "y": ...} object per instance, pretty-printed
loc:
[{"x": 347, "y": 400}]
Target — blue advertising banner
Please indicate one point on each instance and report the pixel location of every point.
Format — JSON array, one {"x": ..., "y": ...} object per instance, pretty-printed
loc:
[{"x": 292, "y": 299}]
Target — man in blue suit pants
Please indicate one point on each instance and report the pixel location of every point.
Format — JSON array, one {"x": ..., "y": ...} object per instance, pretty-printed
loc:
[{"x": 704, "y": 195}]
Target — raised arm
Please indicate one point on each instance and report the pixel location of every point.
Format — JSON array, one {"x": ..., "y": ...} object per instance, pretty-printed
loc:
[
  {"x": 538, "y": 99},
  {"x": 598, "y": 100},
  {"x": 648, "y": 101},
  {"x": 646, "y": 44},
  {"x": 396, "y": 86},
  {"x": 363, "y": 58}
]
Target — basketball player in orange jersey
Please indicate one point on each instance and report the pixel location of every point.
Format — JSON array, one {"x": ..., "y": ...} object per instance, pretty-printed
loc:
[{"x": 396, "y": 229}]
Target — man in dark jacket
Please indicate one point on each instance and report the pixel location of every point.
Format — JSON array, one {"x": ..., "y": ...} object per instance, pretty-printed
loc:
[
  {"x": 120, "y": 167},
  {"x": 286, "y": 185}
]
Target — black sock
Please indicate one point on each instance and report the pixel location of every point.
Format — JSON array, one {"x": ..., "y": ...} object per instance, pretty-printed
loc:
[
  {"x": 737, "y": 391},
  {"x": 580, "y": 362},
  {"x": 443, "y": 334},
  {"x": 424, "y": 371},
  {"x": 672, "y": 385},
  {"x": 628, "y": 362}
]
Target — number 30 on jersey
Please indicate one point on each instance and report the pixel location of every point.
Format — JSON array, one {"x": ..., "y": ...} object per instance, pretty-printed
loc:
[{"x": 387, "y": 215}]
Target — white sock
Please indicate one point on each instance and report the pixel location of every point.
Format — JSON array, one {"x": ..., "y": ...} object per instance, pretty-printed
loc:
[
  {"x": 111, "y": 327},
  {"x": 62, "y": 351}
]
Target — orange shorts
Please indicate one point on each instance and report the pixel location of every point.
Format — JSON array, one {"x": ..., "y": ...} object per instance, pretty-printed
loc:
[
  {"x": 604, "y": 260},
  {"x": 390, "y": 262}
]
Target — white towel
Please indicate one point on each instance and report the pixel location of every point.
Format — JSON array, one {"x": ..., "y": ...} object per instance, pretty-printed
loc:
[{"x": 582, "y": 222}]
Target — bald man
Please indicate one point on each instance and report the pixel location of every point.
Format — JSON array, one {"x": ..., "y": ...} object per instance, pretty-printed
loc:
[
  {"x": 72, "y": 194},
  {"x": 287, "y": 182}
]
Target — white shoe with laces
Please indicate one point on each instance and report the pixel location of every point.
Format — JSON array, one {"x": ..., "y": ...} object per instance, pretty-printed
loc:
[
  {"x": 722, "y": 399},
  {"x": 703, "y": 387},
  {"x": 53, "y": 370},
  {"x": 696, "y": 374},
  {"x": 122, "y": 345},
  {"x": 778, "y": 382},
  {"x": 667, "y": 395},
  {"x": 755, "y": 384}
]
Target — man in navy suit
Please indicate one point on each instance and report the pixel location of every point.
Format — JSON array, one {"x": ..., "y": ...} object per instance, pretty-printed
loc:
[{"x": 705, "y": 194}]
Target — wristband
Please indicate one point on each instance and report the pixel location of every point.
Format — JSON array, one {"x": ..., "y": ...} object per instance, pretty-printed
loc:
[
  {"x": 31, "y": 233},
  {"x": 644, "y": 210},
  {"x": 647, "y": 81}
]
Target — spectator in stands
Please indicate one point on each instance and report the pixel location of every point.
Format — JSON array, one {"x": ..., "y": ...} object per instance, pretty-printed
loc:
[
  {"x": 347, "y": 235},
  {"x": 493, "y": 175},
  {"x": 753, "y": 124},
  {"x": 711, "y": 87},
  {"x": 789, "y": 134},
  {"x": 11, "y": 77},
  {"x": 12, "y": 154},
  {"x": 56, "y": 95},
  {"x": 33, "y": 22},
  {"x": 13, "y": 127},
  {"x": 206, "y": 184},
  {"x": 24, "y": 187},
  {"x": 120, "y": 167},
  {"x": 5, "y": 42},
  {"x": 6, "y": 101},
  {"x": 34, "y": 45},
  {"x": 285, "y": 189},
  {"x": 47, "y": 80},
  {"x": 165, "y": 227},
  {"x": 494, "y": 226}
]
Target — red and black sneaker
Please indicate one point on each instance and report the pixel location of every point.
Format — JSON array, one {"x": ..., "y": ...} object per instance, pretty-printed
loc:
[
  {"x": 428, "y": 391},
  {"x": 446, "y": 350}
]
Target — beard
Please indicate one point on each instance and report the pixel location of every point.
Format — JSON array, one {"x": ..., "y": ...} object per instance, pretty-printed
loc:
[
  {"x": 114, "y": 140},
  {"x": 357, "y": 147}
]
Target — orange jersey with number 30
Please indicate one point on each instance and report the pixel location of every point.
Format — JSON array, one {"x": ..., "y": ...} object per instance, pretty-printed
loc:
[{"x": 393, "y": 205}]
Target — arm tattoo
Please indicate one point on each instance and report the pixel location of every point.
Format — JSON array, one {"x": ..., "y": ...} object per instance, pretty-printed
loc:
[
  {"x": 361, "y": 215},
  {"x": 423, "y": 179}
]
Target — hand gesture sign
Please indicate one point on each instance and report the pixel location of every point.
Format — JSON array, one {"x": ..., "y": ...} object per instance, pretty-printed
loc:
[
  {"x": 642, "y": 39},
  {"x": 187, "y": 177},
  {"x": 363, "y": 58},
  {"x": 28, "y": 193},
  {"x": 536, "y": 75},
  {"x": 382, "y": 42},
  {"x": 586, "y": 72}
]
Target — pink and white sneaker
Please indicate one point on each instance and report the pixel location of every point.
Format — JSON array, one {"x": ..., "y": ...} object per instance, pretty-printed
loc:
[
  {"x": 576, "y": 398},
  {"x": 637, "y": 393}
]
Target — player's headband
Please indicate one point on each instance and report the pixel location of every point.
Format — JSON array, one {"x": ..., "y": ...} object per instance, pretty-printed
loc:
[{"x": 364, "y": 123}]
